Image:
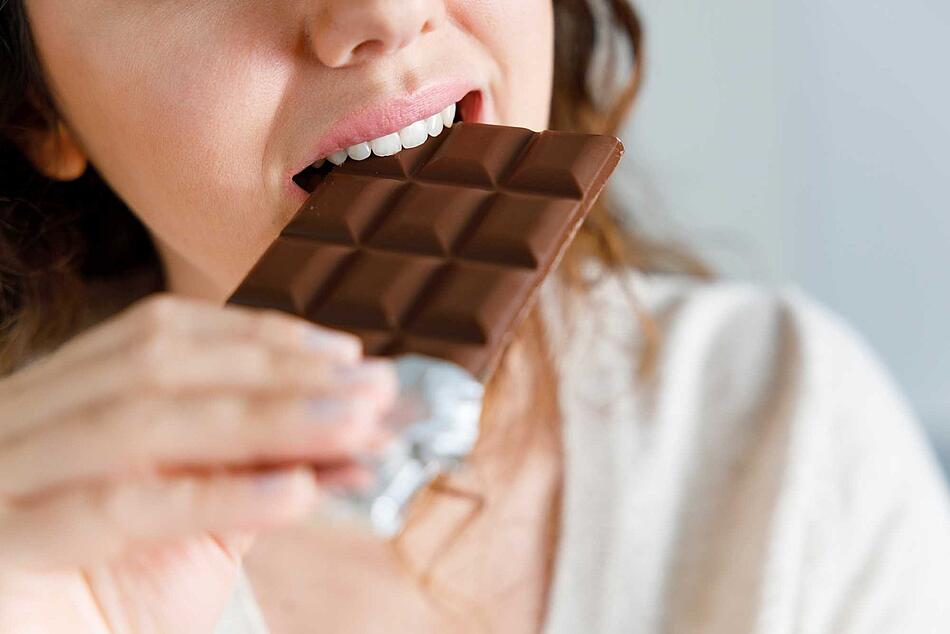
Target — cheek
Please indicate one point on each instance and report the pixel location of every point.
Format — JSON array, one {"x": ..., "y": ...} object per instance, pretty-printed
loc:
[
  {"x": 519, "y": 36},
  {"x": 174, "y": 109}
]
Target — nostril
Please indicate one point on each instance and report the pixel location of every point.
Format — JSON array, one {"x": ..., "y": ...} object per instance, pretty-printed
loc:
[
  {"x": 428, "y": 27},
  {"x": 369, "y": 48}
]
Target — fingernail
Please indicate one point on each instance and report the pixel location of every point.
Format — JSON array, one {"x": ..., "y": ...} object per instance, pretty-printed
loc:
[
  {"x": 366, "y": 372},
  {"x": 325, "y": 411},
  {"x": 327, "y": 340}
]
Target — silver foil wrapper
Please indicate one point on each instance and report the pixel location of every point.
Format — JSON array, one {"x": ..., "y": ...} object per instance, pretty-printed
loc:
[
  {"x": 436, "y": 417},
  {"x": 436, "y": 420}
]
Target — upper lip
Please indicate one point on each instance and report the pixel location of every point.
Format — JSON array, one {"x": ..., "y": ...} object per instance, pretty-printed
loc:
[{"x": 384, "y": 116}]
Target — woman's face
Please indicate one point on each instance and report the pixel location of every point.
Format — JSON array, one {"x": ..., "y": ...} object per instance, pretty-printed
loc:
[{"x": 198, "y": 113}]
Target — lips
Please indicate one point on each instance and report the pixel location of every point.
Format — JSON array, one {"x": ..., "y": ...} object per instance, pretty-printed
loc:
[
  {"x": 385, "y": 116},
  {"x": 470, "y": 108}
]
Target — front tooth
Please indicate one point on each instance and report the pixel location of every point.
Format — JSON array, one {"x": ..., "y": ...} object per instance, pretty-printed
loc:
[
  {"x": 359, "y": 152},
  {"x": 414, "y": 135},
  {"x": 337, "y": 157},
  {"x": 434, "y": 125},
  {"x": 448, "y": 116},
  {"x": 386, "y": 145}
]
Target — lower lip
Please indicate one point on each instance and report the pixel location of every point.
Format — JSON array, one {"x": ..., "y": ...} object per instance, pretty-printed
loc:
[{"x": 471, "y": 108}]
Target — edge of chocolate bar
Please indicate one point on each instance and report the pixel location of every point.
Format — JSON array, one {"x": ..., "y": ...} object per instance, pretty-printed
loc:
[{"x": 596, "y": 189}]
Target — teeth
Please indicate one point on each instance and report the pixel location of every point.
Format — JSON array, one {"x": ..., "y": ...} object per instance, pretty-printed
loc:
[
  {"x": 337, "y": 157},
  {"x": 359, "y": 152},
  {"x": 434, "y": 125},
  {"x": 386, "y": 145},
  {"x": 448, "y": 116},
  {"x": 413, "y": 135},
  {"x": 318, "y": 164}
]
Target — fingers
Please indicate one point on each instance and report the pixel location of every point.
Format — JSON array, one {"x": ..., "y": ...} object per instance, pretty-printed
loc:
[
  {"x": 167, "y": 367},
  {"x": 165, "y": 331},
  {"x": 237, "y": 543},
  {"x": 108, "y": 442},
  {"x": 178, "y": 317},
  {"x": 105, "y": 520},
  {"x": 143, "y": 436}
]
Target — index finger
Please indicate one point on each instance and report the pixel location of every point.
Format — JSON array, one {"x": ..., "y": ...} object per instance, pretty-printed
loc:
[{"x": 198, "y": 319}]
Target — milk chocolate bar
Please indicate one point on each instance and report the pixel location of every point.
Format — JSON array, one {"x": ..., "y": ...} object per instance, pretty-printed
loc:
[{"x": 438, "y": 250}]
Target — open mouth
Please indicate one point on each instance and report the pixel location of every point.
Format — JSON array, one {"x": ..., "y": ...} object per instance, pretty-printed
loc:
[{"x": 413, "y": 135}]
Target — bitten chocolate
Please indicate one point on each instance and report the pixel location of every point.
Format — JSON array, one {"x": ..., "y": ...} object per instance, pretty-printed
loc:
[{"x": 438, "y": 250}]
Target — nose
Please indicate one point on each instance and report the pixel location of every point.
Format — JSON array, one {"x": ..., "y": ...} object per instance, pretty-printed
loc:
[{"x": 348, "y": 32}]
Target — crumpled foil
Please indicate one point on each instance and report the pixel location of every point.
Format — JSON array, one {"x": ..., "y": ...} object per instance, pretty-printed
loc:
[{"x": 436, "y": 417}]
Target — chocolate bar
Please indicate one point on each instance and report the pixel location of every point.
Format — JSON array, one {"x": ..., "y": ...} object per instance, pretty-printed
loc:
[{"x": 438, "y": 250}]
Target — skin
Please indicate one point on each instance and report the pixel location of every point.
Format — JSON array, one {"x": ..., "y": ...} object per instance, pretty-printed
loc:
[
  {"x": 193, "y": 112},
  {"x": 199, "y": 150}
]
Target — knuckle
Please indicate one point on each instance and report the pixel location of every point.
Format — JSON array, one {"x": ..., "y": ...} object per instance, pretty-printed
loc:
[
  {"x": 322, "y": 336},
  {"x": 152, "y": 358},
  {"x": 273, "y": 325},
  {"x": 351, "y": 340},
  {"x": 152, "y": 349},
  {"x": 158, "y": 310},
  {"x": 257, "y": 323},
  {"x": 272, "y": 321}
]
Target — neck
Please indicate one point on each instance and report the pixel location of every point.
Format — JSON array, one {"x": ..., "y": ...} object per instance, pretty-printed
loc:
[{"x": 513, "y": 479}]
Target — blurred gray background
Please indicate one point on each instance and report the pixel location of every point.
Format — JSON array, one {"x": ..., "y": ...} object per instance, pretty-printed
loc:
[{"x": 809, "y": 142}]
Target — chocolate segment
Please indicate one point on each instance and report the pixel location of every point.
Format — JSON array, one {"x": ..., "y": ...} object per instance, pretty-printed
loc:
[{"x": 440, "y": 249}]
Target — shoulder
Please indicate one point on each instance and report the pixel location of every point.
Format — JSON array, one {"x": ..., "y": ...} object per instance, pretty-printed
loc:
[
  {"x": 762, "y": 353},
  {"x": 757, "y": 343},
  {"x": 744, "y": 341},
  {"x": 783, "y": 448},
  {"x": 749, "y": 345},
  {"x": 741, "y": 338}
]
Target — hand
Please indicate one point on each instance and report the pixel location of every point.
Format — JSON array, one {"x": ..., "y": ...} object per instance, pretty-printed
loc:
[{"x": 126, "y": 496}]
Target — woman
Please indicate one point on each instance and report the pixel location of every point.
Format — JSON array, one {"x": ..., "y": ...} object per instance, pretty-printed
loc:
[{"x": 658, "y": 452}]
